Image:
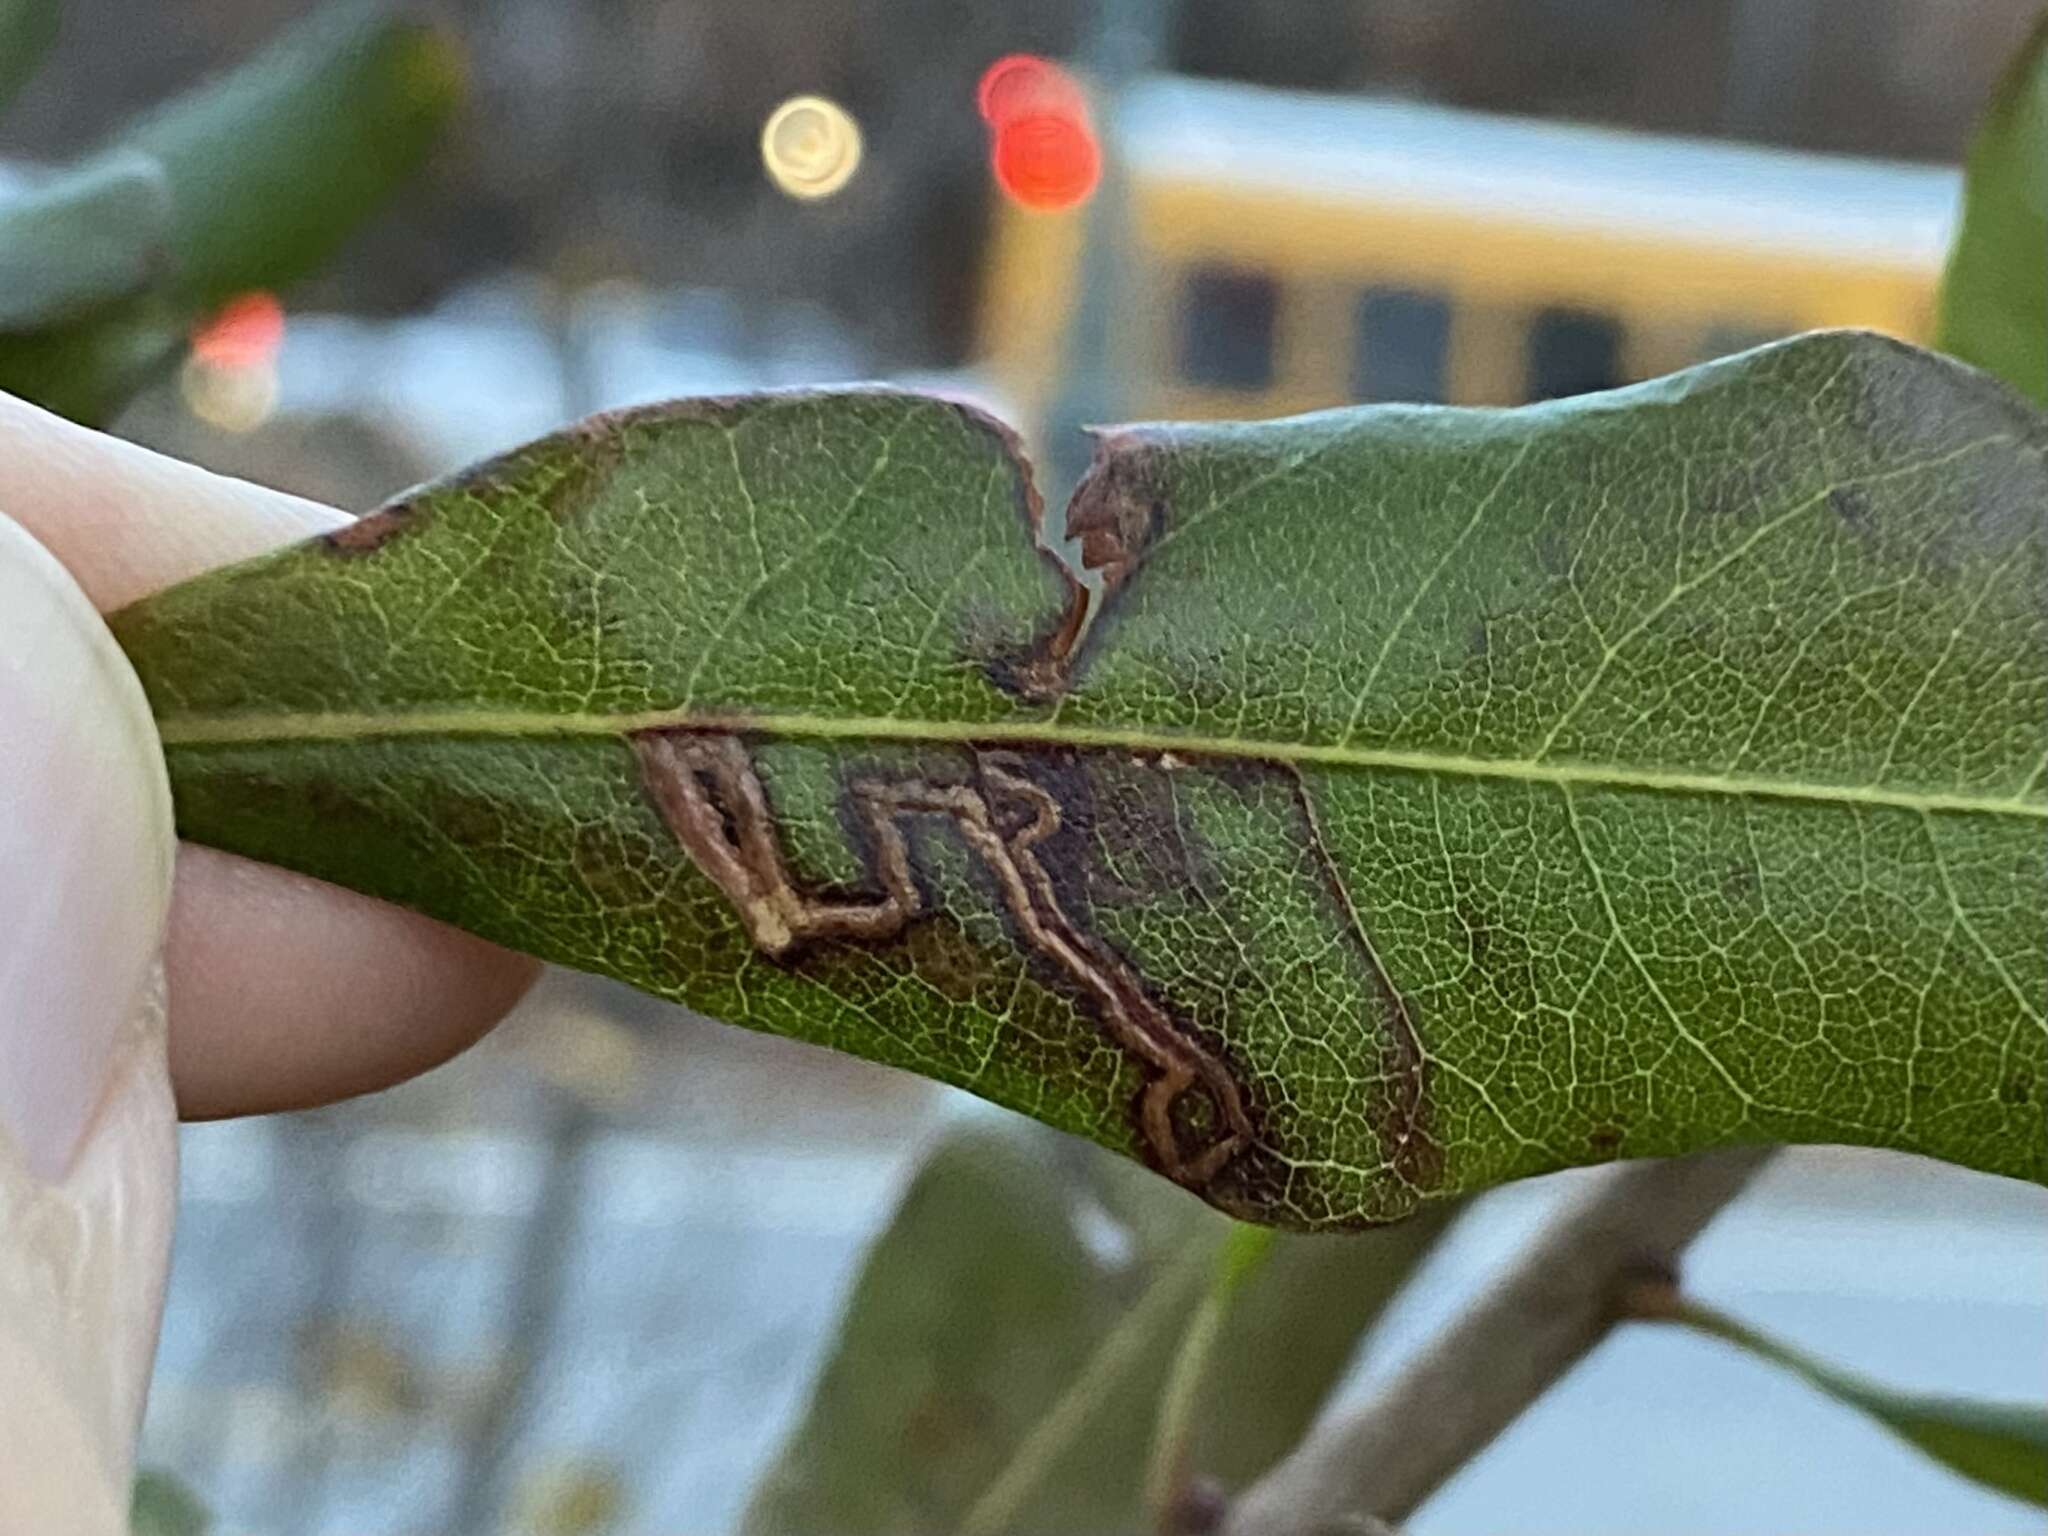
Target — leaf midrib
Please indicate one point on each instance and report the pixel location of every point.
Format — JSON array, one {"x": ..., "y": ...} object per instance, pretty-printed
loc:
[{"x": 252, "y": 729}]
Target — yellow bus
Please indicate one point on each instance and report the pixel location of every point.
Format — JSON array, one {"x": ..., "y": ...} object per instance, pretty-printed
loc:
[{"x": 1289, "y": 251}]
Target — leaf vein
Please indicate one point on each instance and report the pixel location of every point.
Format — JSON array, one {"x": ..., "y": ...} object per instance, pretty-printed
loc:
[{"x": 238, "y": 729}]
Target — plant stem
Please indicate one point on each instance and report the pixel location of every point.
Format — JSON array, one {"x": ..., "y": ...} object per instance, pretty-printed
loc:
[{"x": 1514, "y": 1341}]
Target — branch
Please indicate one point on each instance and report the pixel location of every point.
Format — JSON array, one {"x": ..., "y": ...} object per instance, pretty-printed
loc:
[{"x": 1505, "y": 1351}]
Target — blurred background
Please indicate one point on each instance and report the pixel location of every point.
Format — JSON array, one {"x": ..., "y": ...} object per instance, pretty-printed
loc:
[{"x": 580, "y": 1281}]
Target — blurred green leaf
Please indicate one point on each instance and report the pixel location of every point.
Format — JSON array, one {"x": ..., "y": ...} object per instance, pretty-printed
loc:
[
  {"x": 1994, "y": 296},
  {"x": 79, "y": 241},
  {"x": 973, "y": 1309},
  {"x": 89, "y": 370},
  {"x": 2000, "y": 1445},
  {"x": 1292, "y": 1331},
  {"x": 27, "y": 28},
  {"x": 267, "y": 170},
  {"x": 993, "y": 1373},
  {"x": 274, "y": 164},
  {"x": 1172, "y": 1479},
  {"x": 164, "y": 1506},
  {"x": 1081, "y": 1466}
]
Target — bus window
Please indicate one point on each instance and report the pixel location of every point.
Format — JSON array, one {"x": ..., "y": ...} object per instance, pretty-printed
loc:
[
  {"x": 1572, "y": 352},
  {"x": 1227, "y": 323},
  {"x": 1403, "y": 337}
]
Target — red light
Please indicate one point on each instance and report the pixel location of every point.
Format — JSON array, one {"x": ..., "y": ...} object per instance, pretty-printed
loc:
[
  {"x": 243, "y": 333},
  {"x": 1043, "y": 147},
  {"x": 1047, "y": 162},
  {"x": 1020, "y": 83}
]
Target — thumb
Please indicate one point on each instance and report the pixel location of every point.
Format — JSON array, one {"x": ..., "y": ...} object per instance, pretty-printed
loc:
[{"x": 87, "y": 1137}]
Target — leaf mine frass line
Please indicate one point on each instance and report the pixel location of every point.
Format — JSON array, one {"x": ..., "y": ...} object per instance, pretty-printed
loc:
[{"x": 707, "y": 792}]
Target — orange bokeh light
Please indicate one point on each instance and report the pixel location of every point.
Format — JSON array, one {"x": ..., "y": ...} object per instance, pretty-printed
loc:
[
  {"x": 1047, "y": 162},
  {"x": 1042, "y": 147},
  {"x": 245, "y": 332}
]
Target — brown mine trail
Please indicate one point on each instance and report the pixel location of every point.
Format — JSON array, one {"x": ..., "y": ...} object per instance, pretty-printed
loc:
[{"x": 705, "y": 787}]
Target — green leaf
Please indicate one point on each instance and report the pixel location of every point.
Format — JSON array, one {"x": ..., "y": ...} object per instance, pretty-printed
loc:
[
  {"x": 972, "y": 1311},
  {"x": 1432, "y": 798},
  {"x": 2000, "y": 1445},
  {"x": 81, "y": 241},
  {"x": 994, "y": 1374},
  {"x": 266, "y": 171},
  {"x": 1994, "y": 296},
  {"x": 1293, "y": 1322},
  {"x": 27, "y": 28},
  {"x": 1171, "y": 1481},
  {"x": 273, "y": 165},
  {"x": 164, "y": 1506},
  {"x": 89, "y": 369}
]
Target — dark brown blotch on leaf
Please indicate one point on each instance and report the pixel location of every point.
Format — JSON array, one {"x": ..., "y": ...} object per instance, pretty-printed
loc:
[
  {"x": 1116, "y": 513},
  {"x": 1149, "y": 849},
  {"x": 704, "y": 787},
  {"x": 370, "y": 533},
  {"x": 1119, "y": 508}
]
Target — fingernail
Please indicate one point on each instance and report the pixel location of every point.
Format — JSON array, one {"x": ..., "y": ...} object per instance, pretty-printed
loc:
[{"x": 86, "y": 849}]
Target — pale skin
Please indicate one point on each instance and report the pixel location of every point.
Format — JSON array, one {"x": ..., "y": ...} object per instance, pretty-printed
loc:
[
  {"x": 139, "y": 979},
  {"x": 284, "y": 992}
]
